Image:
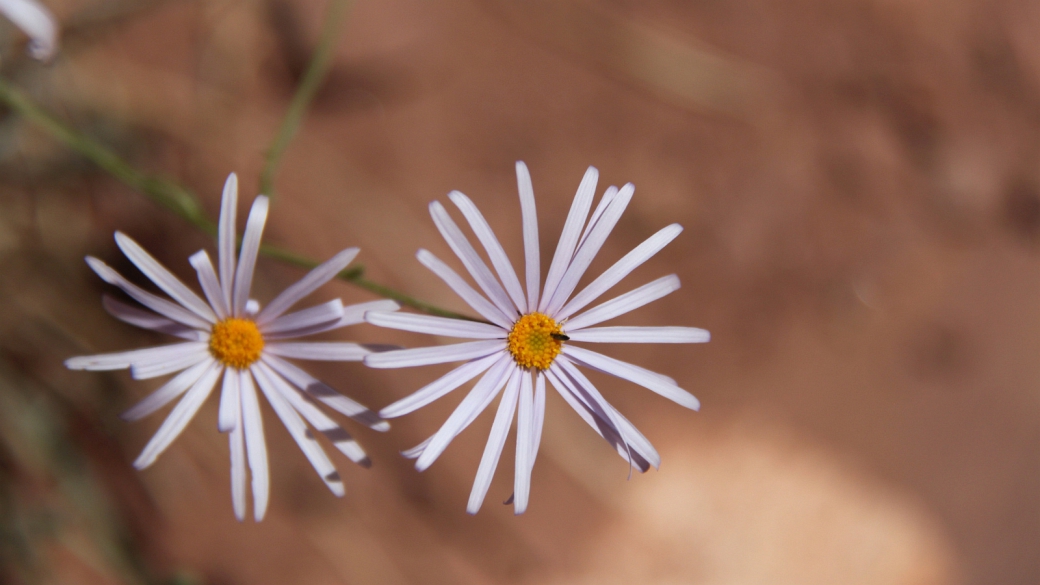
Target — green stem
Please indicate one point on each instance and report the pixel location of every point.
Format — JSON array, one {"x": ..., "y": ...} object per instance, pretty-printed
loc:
[
  {"x": 178, "y": 199},
  {"x": 305, "y": 91}
]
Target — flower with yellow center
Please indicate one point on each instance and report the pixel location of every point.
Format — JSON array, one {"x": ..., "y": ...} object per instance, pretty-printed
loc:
[
  {"x": 227, "y": 336},
  {"x": 526, "y": 339},
  {"x": 535, "y": 341}
]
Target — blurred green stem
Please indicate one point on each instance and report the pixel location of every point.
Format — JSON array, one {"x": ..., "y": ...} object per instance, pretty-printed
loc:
[
  {"x": 305, "y": 91},
  {"x": 180, "y": 200}
]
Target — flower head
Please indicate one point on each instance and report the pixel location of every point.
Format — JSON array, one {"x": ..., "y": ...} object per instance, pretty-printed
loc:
[
  {"x": 227, "y": 336},
  {"x": 528, "y": 339}
]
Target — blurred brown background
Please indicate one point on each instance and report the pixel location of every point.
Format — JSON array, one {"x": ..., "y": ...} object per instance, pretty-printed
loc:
[{"x": 860, "y": 187}]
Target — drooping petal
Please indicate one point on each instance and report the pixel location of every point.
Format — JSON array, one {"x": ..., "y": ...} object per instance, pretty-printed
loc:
[
  {"x": 626, "y": 371},
  {"x": 529, "y": 216},
  {"x": 470, "y": 259},
  {"x": 441, "y": 354},
  {"x": 440, "y": 387},
  {"x": 298, "y": 429},
  {"x": 36, "y": 21},
  {"x": 619, "y": 270},
  {"x": 641, "y": 335},
  {"x": 589, "y": 248},
  {"x": 494, "y": 250},
  {"x": 328, "y": 351},
  {"x": 465, "y": 291},
  {"x": 306, "y": 285},
  {"x": 230, "y": 403},
  {"x": 478, "y": 398},
  {"x": 496, "y": 440},
  {"x": 226, "y": 240},
  {"x": 247, "y": 260},
  {"x": 569, "y": 238},
  {"x": 256, "y": 448},
  {"x": 179, "y": 417},
  {"x": 167, "y": 392},
  {"x": 321, "y": 422},
  {"x": 210, "y": 283},
  {"x": 625, "y": 303},
  {"x": 326, "y": 394},
  {"x": 524, "y": 455},
  {"x": 147, "y": 320},
  {"x": 437, "y": 325},
  {"x": 163, "y": 278},
  {"x": 157, "y": 304}
]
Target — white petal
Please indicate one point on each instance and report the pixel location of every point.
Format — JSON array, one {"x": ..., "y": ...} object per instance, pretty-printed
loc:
[
  {"x": 645, "y": 378},
  {"x": 329, "y": 351},
  {"x": 588, "y": 250},
  {"x": 325, "y": 393},
  {"x": 256, "y": 449},
  {"x": 532, "y": 254},
  {"x": 424, "y": 356},
  {"x": 157, "y": 304},
  {"x": 524, "y": 456},
  {"x": 321, "y": 422},
  {"x": 641, "y": 335},
  {"x": 153, "y": 368},
  {"x": 539, "y": 415},
  {"x": 496, "y": 440},
  {"x": 604, "y": 202},
  {"x": 179, "y": 417},
  {"x": 306, "y": 285},
  {"x": 304, "y": 439},
  {"x": 238, "y": 471},
  {"x": 163, "y": 278},
  {"x": 416, "y": 451},
  {"x": 247, "y": 261},
  {"x": 167, "y": 392},
  {"x": 619, "y": 270},
  {"x": 210, "y": 283},
  {"x": 472, "y": 405},
  {"x": 37, "y": 22},
  {"x": 569, "y": 238},
  {"x": 442, "y": 326},
  {"x": 125, "y": 359},
  {"x": 586, "y": 391},
  {"x": 226, "y": 240},
  {"x": 438, "y": 388},
  {"x": 352, "y": 315},
  {"x": 323, "y": 314},
  {"x": 470, "y": 259},
  {"x": 625, "y": 303},
  {"x": 230, "y": 403},
  {"x": 147, "y": 320},
  {"x": 498, "y": 257},
  {"x": 465, "y": 291}
]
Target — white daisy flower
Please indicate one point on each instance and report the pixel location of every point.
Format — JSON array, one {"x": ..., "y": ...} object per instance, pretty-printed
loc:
[
  {"x": 229, "y": 335},
  {"x": 36, "y": 21},
  {"x": 528, "y": 338}
]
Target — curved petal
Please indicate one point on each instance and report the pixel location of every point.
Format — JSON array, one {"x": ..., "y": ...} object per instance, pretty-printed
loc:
[
  {"x": 496, "y": 440},
  {"x": 569, "y": 237},
  {"x": 532, "y": 254},
  {"x": 494, "y": 250},
  {"x": 306, "y": 285},
  {"x": 163, "y": 278},
  {"x": 622, "y": 304},
  {"x": 247, "y": 259}
]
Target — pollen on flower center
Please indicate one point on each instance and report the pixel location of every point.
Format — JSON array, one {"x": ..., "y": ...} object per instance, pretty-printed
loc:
[
  {"x": 535, "y": 340},
  {"x": 236, "y": 342}
]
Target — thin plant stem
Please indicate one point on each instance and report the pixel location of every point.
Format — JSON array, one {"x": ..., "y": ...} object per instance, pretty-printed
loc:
[
  {"x": 309, "y": 85},
  {"x": 180, "y": 200}
]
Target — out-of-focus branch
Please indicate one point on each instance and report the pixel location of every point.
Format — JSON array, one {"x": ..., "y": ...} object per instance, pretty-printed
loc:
[
  {"x": 305, "y": 91},
  {"x": 178, "y": 199}
]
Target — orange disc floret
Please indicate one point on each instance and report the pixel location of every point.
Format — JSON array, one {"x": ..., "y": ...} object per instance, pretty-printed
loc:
[
  {"x": 236, "y": 342},
  {"x": 535, "y": 341}
]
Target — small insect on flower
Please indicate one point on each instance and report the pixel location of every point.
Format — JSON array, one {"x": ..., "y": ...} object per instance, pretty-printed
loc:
[
  {"x": 520, "y": 353},
  {"x": 228, "y": 336}
]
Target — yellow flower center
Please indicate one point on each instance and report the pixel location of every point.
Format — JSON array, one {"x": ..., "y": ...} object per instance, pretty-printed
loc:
[
  {"x": 535, "y": 340},
  {"x": 236, "y": 342}
]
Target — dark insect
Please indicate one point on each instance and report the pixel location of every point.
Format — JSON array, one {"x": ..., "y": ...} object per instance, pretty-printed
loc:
[{"x": 559, "y": 337}]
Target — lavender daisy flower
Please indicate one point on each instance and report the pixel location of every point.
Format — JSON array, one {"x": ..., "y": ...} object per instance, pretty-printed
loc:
[
  {"x": 228, "y": 336},
  {"x": 530, "y": 339}
]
